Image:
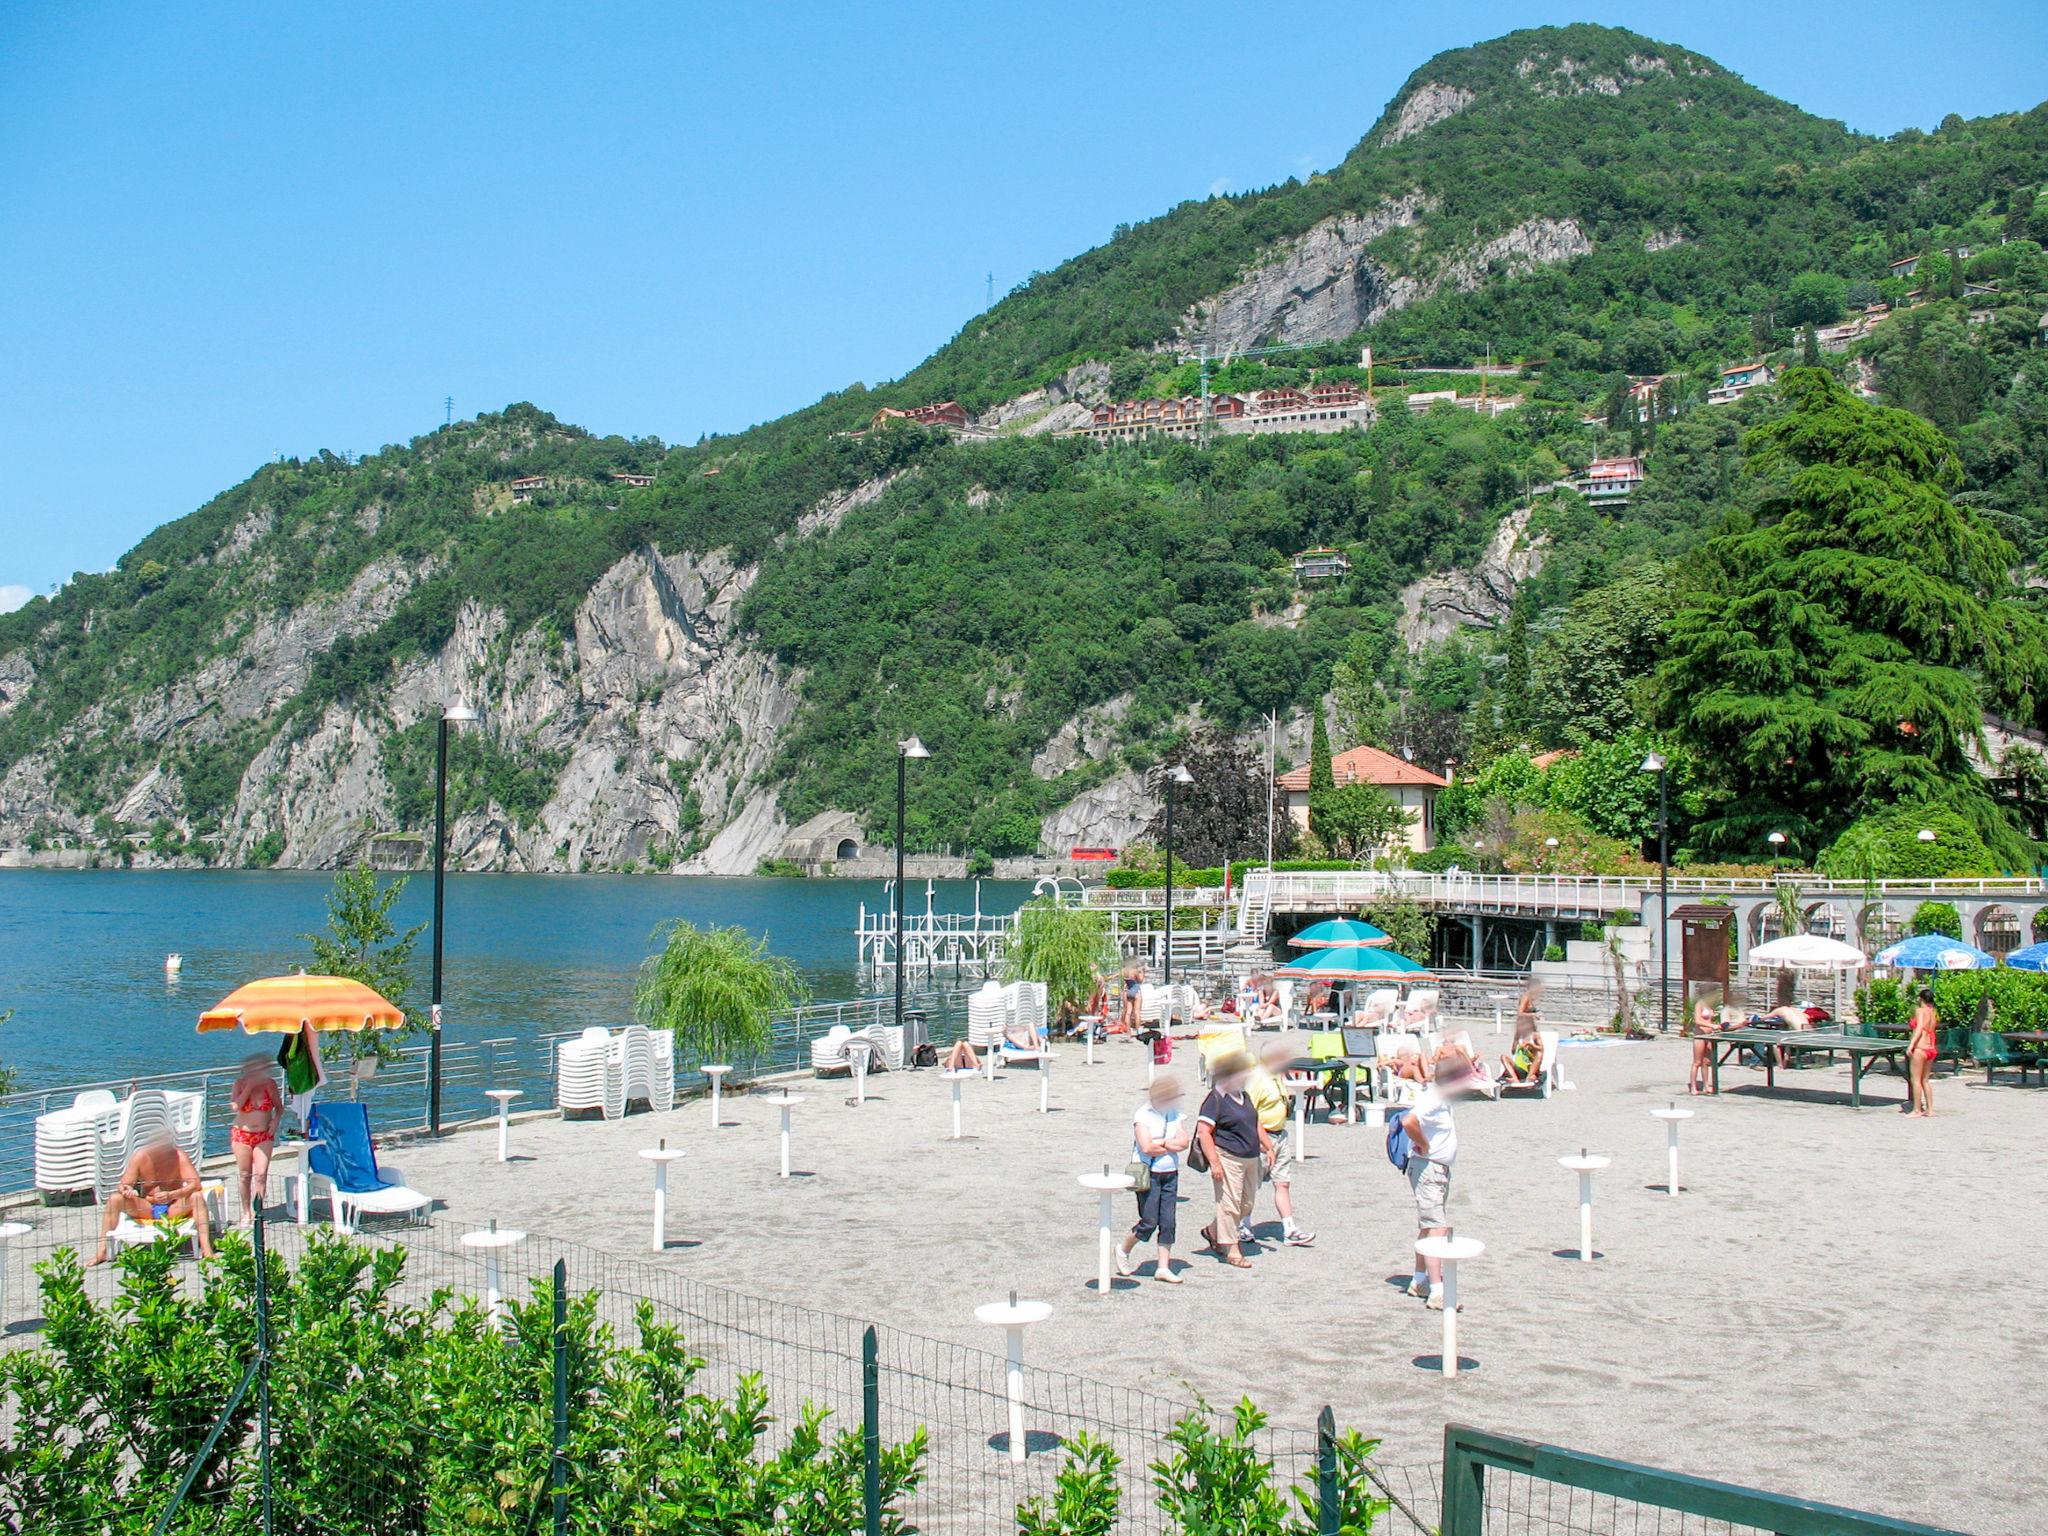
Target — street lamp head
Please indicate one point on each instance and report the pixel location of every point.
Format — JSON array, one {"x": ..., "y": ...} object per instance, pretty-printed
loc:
[
  {"x": 1925, "y": 834},
  {"x": 459, "y": 714},
  {"x": 910, "y": 746},
  {"x": 1550, "y": 842},
  {"x": 1178, "y": 774},
  {"x": 1654, "y": 763},
  {"x": 1776, "y": 839}
]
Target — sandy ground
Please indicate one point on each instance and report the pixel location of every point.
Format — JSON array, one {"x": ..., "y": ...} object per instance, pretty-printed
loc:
[{"x": 1842, "y": 1305}]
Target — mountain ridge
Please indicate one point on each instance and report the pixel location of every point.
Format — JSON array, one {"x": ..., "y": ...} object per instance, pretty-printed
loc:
[{"x": 672, "y": 672}]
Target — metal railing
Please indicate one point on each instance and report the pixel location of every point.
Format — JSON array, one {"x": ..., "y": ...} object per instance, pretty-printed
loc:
[{"x": 397, "y": 1090}]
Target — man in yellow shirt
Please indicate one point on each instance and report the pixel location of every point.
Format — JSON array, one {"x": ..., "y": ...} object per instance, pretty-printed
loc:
[{"x": 1270, "y": 1100}]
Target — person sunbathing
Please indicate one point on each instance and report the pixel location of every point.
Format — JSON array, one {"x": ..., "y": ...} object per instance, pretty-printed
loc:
[
  {"x": 1523, "y": 1065},
  {"x": 158, "y": 1184},
  {"x": 961, "y": 1058}
]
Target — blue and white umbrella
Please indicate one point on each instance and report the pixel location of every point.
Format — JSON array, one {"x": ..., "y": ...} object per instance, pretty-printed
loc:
[
  {"x": 1935, "y": 952},
  {"x": 2033, "y": 958}
]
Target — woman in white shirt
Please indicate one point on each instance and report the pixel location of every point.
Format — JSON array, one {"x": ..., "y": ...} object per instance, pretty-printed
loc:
[{"x": 1159, "y": 1134}]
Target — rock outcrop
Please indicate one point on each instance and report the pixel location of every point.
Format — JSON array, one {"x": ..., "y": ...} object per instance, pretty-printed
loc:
[
  {"x": 1438, "y": 606},
  {"x": 1110, "y": 815},
  {"x": 1322, "y": 286},
  {"x": 1426, "y": 106}
]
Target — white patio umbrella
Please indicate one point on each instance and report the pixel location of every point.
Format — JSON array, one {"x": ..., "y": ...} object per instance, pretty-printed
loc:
[{"x": 1809, "y": 952}]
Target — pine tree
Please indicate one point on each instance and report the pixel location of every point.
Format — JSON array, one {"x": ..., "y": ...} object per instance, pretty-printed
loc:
[
  {"x": 1809, "y": 346},
  {"x": 1514, "y": 677},
  {"x": 1838, "y": 657},
  {"x": 1320, "y": 775},
  {"x": 1956, "y": 286}
]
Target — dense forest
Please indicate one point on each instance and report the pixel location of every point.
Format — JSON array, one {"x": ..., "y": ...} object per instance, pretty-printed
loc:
[{"x": 998, "y": 588}]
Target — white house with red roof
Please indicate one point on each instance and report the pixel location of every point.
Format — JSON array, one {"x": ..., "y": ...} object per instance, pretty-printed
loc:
[{"x": 1408, "y": 785}]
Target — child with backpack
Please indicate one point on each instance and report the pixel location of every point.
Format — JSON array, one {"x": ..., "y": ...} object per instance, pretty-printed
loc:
[{"x": 1423, "y": 1143}]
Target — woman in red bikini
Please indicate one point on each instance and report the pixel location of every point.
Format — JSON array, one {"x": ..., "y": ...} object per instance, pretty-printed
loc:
[
  {"x": 258, "y": 1108},
  {"x": 1920, "y": 1051}
]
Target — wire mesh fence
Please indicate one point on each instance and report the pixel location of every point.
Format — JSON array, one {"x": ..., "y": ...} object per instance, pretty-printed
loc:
[
  {"x": 570, "y": 1388},
  {"x": 790, "y": 1363}
]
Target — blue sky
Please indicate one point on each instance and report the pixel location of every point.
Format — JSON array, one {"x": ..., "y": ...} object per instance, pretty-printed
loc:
[{"x": 233, "y": 231}]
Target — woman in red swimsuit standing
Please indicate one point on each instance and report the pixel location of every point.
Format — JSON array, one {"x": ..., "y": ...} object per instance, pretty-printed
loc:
[
  {"x": 258, "y": 1108},
  {"x": 1920, "y": 1051}
]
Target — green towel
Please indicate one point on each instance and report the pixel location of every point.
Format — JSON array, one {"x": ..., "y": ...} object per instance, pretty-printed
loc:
[{"x": 296, "y": 1057}]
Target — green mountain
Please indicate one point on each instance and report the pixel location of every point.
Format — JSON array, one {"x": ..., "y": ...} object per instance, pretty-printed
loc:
[{"x": 681, "y": 653}]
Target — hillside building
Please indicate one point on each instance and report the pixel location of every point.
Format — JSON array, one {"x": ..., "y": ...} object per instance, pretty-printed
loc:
[
  {"x": 638, "y": 482},
  {"x": 1739, "y": 379},
  {"x": 1321, "y": 408},
  {"x": 1321, "y": 565},
  {"x": 526, "y": 487},
  {"x": 1413, "y": 789},
  {"x": 1609, "y": 482},
  {"x": 1424, "y": 401},
  {"x": 1905, "y": 266}
]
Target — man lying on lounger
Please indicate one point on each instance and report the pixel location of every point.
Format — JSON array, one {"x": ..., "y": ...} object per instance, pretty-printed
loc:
[{"x": 159, "y": 1184}]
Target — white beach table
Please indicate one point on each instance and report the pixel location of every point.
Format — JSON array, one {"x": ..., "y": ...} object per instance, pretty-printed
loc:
[
  {"x": 1585, "y": 1165},
  {"x": 1671, "y": 1114},
  {"x": 1013, "y": 1317},
  {"x": 661, "y": 1156},
  {"x": 953, "y": 1080},
  {"x": 9, "y": 1231},
  {"x": 1044, "y": 1060},
  {"x": 1298, "y": 1088},
  {"x": 1450, "y": 1252},
  {"x": 1107, "y": 1185},
  {"x": 784, "y": 1102},
  {"x": 504, "y": 1098},
  {"x": 493, "y": 1244},
  {"x": 860, "y": 1059},
  {"x": 716, "y": 1071}
]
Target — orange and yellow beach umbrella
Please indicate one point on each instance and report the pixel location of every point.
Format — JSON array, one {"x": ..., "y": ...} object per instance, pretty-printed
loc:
[{"x": 288, "y": 1004}]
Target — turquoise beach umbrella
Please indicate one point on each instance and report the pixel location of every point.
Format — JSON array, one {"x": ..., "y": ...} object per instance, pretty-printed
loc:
[
  {"x": 1355, "y": 963},
  {"x": 1339, "y": 931}
]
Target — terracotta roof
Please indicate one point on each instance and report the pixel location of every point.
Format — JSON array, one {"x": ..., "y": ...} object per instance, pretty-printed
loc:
[{"x": 1367, "y": 765}]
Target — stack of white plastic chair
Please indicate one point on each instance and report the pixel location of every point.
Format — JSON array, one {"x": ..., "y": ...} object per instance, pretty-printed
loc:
[
  {"x": 1024, "y": 1009},
  {"x": 888, "y": 1039},
  {"x": 589, "y": 1074},
  {"x": 647, "y": 1065},
  {"x": 828, "y": 1051},
  {"x": 987, "y": 1009},
  {"x": 1182, "y": 999},
  {"x": 68, "y": 1143},
  {"x": 141, "y": 1118}
]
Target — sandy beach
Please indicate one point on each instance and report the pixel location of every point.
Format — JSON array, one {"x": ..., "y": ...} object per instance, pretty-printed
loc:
[{"x": 1840, "y": 1304}]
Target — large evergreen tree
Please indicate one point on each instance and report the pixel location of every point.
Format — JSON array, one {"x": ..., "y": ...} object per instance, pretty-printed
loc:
[
  {"x": 1320, "y": 774},
  {"x": 1837, "y": 656}
]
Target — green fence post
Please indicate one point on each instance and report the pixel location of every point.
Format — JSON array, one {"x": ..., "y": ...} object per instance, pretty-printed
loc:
[
  {"x": 262, "y": 1360},
  {"x": 1329, "y": 1507},
  {"x": 1464, "y": 1480},
  {"x": 559, "y": 1468},
  {"x": 871, "y": 1432}
]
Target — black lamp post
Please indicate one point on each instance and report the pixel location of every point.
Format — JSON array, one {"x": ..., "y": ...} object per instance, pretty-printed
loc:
[
  {"x": 1175, "y": 776},
  {"x": 906, "y": 749},
  {"x": 1654, "y": 763},
  {"x": 458, "y": 714}
]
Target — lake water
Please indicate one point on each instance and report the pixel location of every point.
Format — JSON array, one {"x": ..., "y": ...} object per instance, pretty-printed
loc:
[{"x": 82, "y": 953}]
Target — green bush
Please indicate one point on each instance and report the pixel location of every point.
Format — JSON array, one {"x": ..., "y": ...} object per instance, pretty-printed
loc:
[
  {"x": 1125, "y": 879},
  {"x": 717, "y": 988},
  {"x": 1937, "y": 917},
  {"x": 393, "y": 1417},
  {"x": 1888, "y": 847}
]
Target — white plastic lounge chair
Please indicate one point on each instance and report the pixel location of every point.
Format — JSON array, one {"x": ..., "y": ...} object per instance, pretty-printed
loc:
[
  {"x": 1548, "y": 1077},
  {"x": 342, "y": 1166},
  {"x": 647, "y": 1066},
  {"x": 828, "y": 1052},
  {"x": 1420, "y": 1011},
  {"x": 130, "y": 1233}
]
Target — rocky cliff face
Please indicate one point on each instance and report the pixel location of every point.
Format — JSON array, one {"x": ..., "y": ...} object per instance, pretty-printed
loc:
[
  {"x": 1322, "y": 285},
  {"x": 1438, "y": 606}
]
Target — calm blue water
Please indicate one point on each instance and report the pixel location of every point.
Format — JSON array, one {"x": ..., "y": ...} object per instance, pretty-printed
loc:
[{"x": 82, "y": 953}]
